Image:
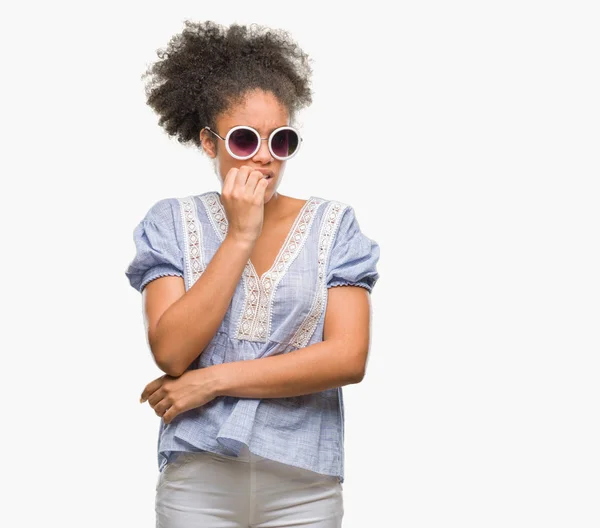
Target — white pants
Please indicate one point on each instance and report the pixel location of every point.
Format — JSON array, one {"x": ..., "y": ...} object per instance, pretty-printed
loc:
[{"x": 208, "y": 490}]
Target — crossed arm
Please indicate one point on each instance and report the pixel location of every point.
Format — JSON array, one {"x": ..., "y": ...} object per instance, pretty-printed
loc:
[{"x": 338, "y": 360}]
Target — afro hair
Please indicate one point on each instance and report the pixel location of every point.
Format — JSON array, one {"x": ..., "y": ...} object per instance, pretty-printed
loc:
[{"x": 207, "y": 68}]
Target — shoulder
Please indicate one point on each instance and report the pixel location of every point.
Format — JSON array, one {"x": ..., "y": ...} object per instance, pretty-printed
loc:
[
  {"x": 335, "y": 212},
  {"x": 331, "y": 203},
  {"x": 162, "y": 211},
  {"x": 163, "y": 220},
  {"x": 171, "y": 209},
  {"x": 195, "y": 202},
  {"x": 343, "y": 223},
  {"x": 201, "y": 196},
  {"x": 331, "y": 210}
]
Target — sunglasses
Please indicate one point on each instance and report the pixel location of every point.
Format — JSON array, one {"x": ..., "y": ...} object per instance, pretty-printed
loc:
[{"x": 242, "y": 142}]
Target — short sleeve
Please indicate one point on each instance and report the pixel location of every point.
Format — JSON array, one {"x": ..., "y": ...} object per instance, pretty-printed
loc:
[
  {"x": 158, "y": 253},
  {"x": 354, "y": 256}
]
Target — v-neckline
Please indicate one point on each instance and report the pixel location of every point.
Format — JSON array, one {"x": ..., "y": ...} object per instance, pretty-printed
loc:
[{"x": 285, "y": 244}]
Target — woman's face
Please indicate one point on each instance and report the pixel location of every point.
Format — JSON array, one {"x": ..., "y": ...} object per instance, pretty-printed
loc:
[{"x": 262, "y": 111}]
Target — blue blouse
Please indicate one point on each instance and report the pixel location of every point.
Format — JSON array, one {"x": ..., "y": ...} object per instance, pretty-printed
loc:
[{"x": 281, "y": 311}]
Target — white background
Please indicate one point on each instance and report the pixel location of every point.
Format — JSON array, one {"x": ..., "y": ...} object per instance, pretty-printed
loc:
[{"x": 464, "y": 134}]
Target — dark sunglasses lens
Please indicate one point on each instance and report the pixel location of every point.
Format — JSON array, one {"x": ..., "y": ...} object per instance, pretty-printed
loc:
[
  {"x": 285, "y": 143},
  {"x": 243, "y": 142}
]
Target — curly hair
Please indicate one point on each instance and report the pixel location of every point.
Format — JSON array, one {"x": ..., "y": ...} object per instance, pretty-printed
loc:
[{"x": 207, "y": 68}]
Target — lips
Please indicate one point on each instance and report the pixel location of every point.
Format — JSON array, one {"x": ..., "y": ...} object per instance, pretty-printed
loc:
[{"x": 266, "y": 172}]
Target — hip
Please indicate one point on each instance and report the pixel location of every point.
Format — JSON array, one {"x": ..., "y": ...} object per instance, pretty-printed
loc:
[{"x": 205, "y": 488}]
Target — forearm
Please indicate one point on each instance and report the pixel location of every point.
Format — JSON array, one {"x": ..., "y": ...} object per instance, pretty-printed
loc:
[
  {"x": 318, "y": 367},
  {"x": 188, "y": 325}
]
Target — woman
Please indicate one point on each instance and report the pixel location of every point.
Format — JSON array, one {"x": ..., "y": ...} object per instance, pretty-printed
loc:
[{"x": 239, "y": 300}]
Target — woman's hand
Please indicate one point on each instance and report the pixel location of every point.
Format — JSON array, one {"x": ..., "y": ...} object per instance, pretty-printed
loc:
[
  {"x": 170, "y": 396},
  {"x": 243, "y": 197}
]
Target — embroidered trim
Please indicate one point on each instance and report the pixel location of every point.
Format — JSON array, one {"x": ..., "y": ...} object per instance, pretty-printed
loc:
[
  {"x": 218, "y": 219},
  {"x": 216, "y": 213},
  {"x": 252, "y": 301},
  {"x": 194, "y": 260},
  {"x": 329, "y": 227},
  {"x": 257, "y": 313},
  {"x": 288, "y": 253},
  {"x": 169, "y": 273},
  {"x": 340, "y": 282}
]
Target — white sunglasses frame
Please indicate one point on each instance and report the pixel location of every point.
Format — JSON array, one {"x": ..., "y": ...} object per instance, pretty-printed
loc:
[{"x": 270, "y": 138}]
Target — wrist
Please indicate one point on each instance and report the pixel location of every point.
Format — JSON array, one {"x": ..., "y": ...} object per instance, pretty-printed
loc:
[
  {"x": 242, "y": 242},
  {"x": 219, "y": 379}
]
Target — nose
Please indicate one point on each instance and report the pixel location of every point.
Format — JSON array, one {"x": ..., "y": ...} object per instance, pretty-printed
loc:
[{"x": 264, "y": 154}]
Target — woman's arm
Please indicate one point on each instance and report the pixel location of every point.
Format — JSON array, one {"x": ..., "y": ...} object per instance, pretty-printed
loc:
[
  {"x": 180, "y": 325},
  {"x": 338, "y": 360},
  {"x": 174, "y": 335}
]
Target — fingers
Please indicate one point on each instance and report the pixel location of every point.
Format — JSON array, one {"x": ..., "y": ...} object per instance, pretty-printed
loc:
[
  {"x": 173, "y": 410},
  {"x": 152, "y": 387},
  {"x": 157, "y": 396},
  {"x": 259, "y": 191},
  {"x": 234, "y": 178},
  {"x": 162, "y": 400},
  {"x": 255, "y": 184},
  {"x": 245, "y": 181},
  {"x": 169, "y": 403},
  {"x": 241, "y": 177},
  {"x": 254, "y": 177},
  {"x": 162, "y": 407},
  {"x": 174, "y": 396},
  {"x": 228, "y": 182}
]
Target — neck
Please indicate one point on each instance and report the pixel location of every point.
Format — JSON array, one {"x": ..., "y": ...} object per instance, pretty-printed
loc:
[{"x": 273, "y": 207}]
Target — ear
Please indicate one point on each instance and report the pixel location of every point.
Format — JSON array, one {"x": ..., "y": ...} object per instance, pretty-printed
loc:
[{"x": 208, "y": 144}]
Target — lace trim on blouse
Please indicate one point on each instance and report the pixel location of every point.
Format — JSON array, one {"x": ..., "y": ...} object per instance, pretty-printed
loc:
[
  {"x": 329, "y": 227},
  {"x": 194, "y": 260},
  {"x": 256, "y": 316}
]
